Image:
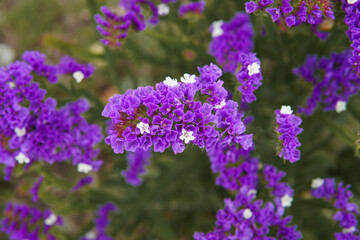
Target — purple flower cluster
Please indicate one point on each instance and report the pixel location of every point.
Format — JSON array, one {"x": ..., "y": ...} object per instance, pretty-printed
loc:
[
  {"x": 248, "y": 218},
  {"x": 230, "y": 40},
  {"x": 174, "y": 114},
  {"x": 294, "y": 12},
  {"x": 137, "y": 162},
  {"x": 289, "y": 129},
  {"x": 249, "y": 76},
  {"x": 346, "y": 212},
  {"x": 101, "y": 223},
  {"x": 334, "y": 81},
  {"x": 24, "y": 222},
  {"x": 352, "y": 16},
  {"x": 192, "y": 7},
  {"x": 82, "y": 182},
  {"x": 33, "y": 129},
  {"x": 35, "y": 189}
]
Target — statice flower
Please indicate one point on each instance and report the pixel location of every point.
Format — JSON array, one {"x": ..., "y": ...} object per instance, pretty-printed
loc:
[
  {"x": 249, "y": 76},
  {"x": 334, "y": 82},
  {"x": 24, "y": 222},
  {"x": 77, "y": 70},
  {"x": 192, "y": 7},
  {"x": 33, "y": 129},
  {"x": 37, "y": 61},
  {"x": 293, "y": 12},
  {"x": 101, "y": 223},
  {"x": 174, "y": 114},
  {"x": 339, "y": 195},
  {"x": 35, "y": 189},
  {"x": 137, "y": 162},
  {"x": 289, "y": 129},
  {"x": 82, "y": 182},
  {"x": 230, "y": 39}
]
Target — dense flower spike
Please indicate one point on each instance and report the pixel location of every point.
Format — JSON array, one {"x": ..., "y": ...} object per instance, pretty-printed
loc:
[
  {"x": 230, "y": 40},
  {"x": 192, "y": 7},
  {"x": 289, "y": 129},
  {"x": 334, "y": 81},
  {"x": 101, "y": 223},
  {"x": 352, "y": 15},
  {"x": 174, "y": 114},
  {"x": 346, "y": 212},
  {"x": 79, "y": 71},
  {"x": 293, "y": 12},
  {"x": 24, "y": 222},
  {"x": 33, "y": 129},
  {"x": 137, "y": 162}
]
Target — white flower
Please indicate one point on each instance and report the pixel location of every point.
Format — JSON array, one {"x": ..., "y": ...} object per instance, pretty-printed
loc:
[
  {"x": 253, "y": 68},
  {"x": 170, "y": 82},
  {"x": 188, "y": 78},
  {"x": 351, "y": 1},
  {"x": 187, "y": 136},
  {"x": 79, "y": 76},
  {"x": 217, "y": 30},
  {"x": 349, "y": 230},
  {"x": 220, "y": 105},
  {"x": 252, "y": 191},
  {"x": 340, "y": 106},
  {"x": 22, "y": 158},
  {"x": 286, "y": 200},
  {"x": 90, "y": 235},
  {"x": 163, "y": 9},
  {"x": 50, "y": 220},
  {"x": 20, "y": 131},
  {"x": 11, "y": 85},
  {"x": 84, "y": 168},
  {"x": 144, "y": 127},
  {"x": 317, "y": 182},
  {"x": 286, "y": 110},
  {"x": 247, "y": 213}
]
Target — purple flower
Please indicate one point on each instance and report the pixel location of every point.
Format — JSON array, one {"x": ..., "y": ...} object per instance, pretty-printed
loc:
[
  {"x": 79, "y": 71},
  {"x": 289, "y": 129},
  {"x": 82, "y": 182},
  {"x": 35, "y": 189},
  {"x": 192, "y": 7},
  {"x": 251, "y": 7},
  {"x": 136, "y": 166}
]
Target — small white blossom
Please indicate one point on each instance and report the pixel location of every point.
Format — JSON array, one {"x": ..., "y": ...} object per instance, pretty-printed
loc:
[
  {"x": 79, "y": 76},
  {"x": 171, "y": 82},
  {"x": 187, "y": 136},
  {"x": 340, "y": 106},
  {"x": 90, "y": 235},
  {"x": 20, "y": 131},
  {"x": 188, "y": 78},
  {"x": 349, "y": 230},
  {"x": 317, "y": 182},
  {"x": 51, "y": 220},
  {"x": 253, "y": 68},
  {"x": 220, "y": 105},
  {"x": 351, "y": 1},
  {"x": 247, "y": 213},
  {"x": 217, "y": 29},
  {"x": 286, "y": 110},
  {"x": 22, "y": 158},
  {"x": 163, "y": 9},
  {"x": 11, "y": 85},
  {"x": 252, "y": 191},
  {"x": 286, "y": 200},
  {"x": 144, "y": 127},
  {"x": 84, "y": 168}
]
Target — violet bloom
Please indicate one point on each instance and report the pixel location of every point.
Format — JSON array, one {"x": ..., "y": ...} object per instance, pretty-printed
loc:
[
  {"x": 24, "y": 222},
  {"x": 192, "y": 7},
  {"x": 174, "y": 113},
  {"x": 35, "y": 189},
  {"x": 230, "y": 39},
  {"x": 101, "y": 223},
  {"x": 294, "y": 13},
  {"x": 289, "y": 129},
  {"x": 37, "y": 61},
  {"x": 137, "y": 162},
  {"x": 82, "y": 182},
  {"x": 79, "y": 71},
  {"x": 346, "y": 213},
  {"x": 334, "y": 81}
]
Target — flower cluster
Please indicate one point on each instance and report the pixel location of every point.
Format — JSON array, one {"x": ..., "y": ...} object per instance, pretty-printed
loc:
[
  {"x": 101, "y": 223},
  {"x": 24, "y": 222},
  {"x": 334, "y": 81},
  {"x": 340, "y": 195},
  {"x": 35, "y": 189},
  {"x": 294, "y": 12},
  {"x": 136, "y": 166},
  {"x": 33, "y": 129},
  {"x": 288, "y": 128},
  {"x": 352, "y": 15},
  {"x": 230, "y": 40},
  {"x": 174, "y": 114},
  {"x": 192, "y": 7}
]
